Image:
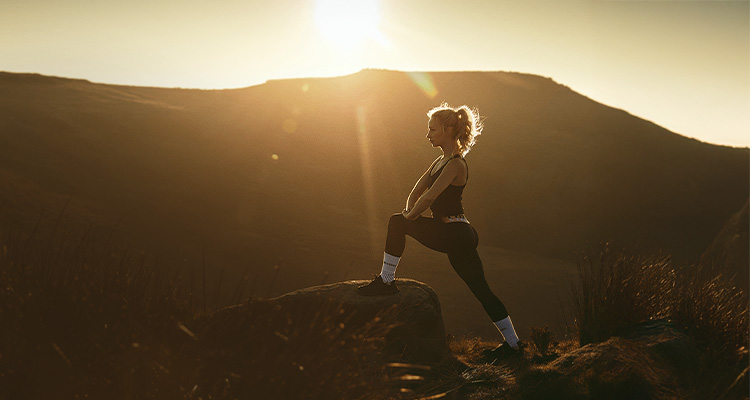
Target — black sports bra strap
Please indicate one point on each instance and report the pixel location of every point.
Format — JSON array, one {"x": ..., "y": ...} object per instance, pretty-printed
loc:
[
  {"x": 467, "y": 168},
  {"x": 443, "y": 166}
]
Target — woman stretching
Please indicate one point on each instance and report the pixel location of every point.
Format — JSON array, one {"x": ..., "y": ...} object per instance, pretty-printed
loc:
[{"x": 454, "y": 130}]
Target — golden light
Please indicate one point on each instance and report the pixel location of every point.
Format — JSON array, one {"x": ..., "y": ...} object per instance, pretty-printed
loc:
[
  {"x": 368, "y": 180},
  {"x": 424, "y": 81},
  {"x": 290, "y": 125},
  {"x": 346, "y": 23}
]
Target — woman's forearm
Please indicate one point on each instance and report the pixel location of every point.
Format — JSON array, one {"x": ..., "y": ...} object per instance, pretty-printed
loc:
[
  {"x": 410, "y": 201},
  {"x": 413, "y": 198},
  {"x": 419, "y": 207}
]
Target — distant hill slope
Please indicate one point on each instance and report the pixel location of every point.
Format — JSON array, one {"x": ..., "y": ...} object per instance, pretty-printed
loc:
[{"x": 552, "y": 170}]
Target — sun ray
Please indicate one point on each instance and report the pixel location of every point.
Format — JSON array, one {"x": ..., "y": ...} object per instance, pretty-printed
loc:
[{"x": 368, "y": 180}]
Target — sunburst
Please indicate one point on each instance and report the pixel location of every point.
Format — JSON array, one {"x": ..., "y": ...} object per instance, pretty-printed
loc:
[{"x": 348, "y": 23}]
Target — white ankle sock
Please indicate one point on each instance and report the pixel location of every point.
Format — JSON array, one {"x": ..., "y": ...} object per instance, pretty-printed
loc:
[
  {"x": 388, "y": 273},
  {"x": 505, "y": 326}
]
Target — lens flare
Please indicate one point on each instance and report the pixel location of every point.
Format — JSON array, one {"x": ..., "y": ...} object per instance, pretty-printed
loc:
[{"x": 424, "y": 81}]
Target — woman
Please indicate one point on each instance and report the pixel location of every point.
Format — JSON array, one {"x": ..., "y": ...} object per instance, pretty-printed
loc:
[{"x": 454, "y": 130}]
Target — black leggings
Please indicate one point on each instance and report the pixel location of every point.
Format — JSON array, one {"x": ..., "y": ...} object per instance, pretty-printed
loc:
[{"x": 459, "y": 240}]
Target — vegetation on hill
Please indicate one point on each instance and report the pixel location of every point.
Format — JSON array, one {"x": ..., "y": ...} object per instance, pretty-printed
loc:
[
  {"x": 84, "y": 318},
  {"x": 618, "y": 290},
  {"x": 692, "y": 342}
]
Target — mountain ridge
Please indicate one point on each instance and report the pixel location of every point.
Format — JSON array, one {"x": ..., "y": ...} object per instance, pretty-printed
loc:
[{"x": 41, "y": 78}]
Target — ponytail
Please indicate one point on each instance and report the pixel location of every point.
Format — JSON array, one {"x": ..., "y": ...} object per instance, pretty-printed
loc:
[{"x": 466, "y": 122}]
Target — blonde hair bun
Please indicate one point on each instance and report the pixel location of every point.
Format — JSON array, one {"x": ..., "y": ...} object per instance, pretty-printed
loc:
[{"x": 465, "y": 121}]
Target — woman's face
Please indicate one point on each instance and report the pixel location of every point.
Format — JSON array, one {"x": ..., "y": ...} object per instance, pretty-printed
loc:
[{"x": 436, "y": 134}]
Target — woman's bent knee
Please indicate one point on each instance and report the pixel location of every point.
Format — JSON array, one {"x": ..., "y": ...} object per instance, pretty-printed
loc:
[
  {"x": 397, "y": 218},
  {"x": 397, "y": 223}
]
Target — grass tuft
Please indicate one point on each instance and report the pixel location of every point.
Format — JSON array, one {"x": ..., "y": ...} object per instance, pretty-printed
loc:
[{"x": 616, "y": 290}]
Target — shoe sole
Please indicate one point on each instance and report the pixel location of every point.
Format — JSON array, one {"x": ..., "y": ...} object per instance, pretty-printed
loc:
[{"x": 490, "y": 359}]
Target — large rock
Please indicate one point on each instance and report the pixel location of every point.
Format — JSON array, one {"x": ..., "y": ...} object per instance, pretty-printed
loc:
[
  {"x": 417, "y": 333},
  {"x": 646, "y": 362}
]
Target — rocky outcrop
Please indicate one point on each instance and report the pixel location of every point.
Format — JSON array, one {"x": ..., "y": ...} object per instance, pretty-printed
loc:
[
  {"x": 410, "y": 322},
  {"x": 416, "y": 333},
  {"x": 645, "y": 362}
]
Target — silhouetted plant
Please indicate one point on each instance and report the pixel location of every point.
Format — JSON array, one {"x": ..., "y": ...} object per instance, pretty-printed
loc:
[
  {"x": 543, "y": 340},
  {"x": 714, "y": 311},
  {"x": 616, "y": 291}
]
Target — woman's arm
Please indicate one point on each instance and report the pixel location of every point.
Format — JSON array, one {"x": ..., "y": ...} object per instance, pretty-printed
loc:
[
  {"x": 451, "y": 170},
  {"x": 419, "y": 188},
  {"x": 417, "y": 191}
]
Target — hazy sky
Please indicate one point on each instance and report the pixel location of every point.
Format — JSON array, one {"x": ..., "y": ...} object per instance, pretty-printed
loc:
[{"x": 684, "y": 65}]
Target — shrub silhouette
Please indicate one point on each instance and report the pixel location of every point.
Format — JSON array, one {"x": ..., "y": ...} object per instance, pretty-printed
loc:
[
  {"x": 543, "y": 340},
  {"x": 617, "y": 290}
]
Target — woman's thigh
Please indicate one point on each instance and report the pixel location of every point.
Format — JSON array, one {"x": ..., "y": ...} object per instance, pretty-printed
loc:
[
  {"x": 463, "y": 236},
  {"x": 463, "y": 252},
  {"x": 442, "y": 237},
  {"x": 468, "y": 266},
  {"x": 430, "y": 232}
]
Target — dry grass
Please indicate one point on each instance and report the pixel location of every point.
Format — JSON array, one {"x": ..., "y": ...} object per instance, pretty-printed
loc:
[
  {"x": 84, "y": 317},
  {"x": 616, "y": 290}
]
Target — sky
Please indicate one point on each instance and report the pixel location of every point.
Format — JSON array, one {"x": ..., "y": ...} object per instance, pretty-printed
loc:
[{"x": 684, "y": 65}]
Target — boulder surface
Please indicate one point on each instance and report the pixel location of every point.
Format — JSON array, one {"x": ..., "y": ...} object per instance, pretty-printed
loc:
[
  {"x": 645, "y": 362},
  {"x": 417, "y": 332}
]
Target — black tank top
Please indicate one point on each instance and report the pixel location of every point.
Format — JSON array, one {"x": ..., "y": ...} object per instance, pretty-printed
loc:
[{"x": 449, "y": 201}]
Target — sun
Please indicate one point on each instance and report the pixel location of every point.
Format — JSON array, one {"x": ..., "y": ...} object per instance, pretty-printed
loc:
[{"x": 347, "y": 23}]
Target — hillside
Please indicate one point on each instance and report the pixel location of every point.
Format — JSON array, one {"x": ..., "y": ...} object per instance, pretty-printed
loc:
[{"x": 193, "y": 172}]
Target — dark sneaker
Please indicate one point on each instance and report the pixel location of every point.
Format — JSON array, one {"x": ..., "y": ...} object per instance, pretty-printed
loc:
[
  {"x": 501, "y": 353},
  {"x": 377, "y": 287}
]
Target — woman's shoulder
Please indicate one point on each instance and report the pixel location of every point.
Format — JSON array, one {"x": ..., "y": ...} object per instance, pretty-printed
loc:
[
  {"x": 454, "y": 162},
  {"x": 463, "y": 161},
  {"x": 458, "y": 164},
  {"x": 458, "y": 159}
]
